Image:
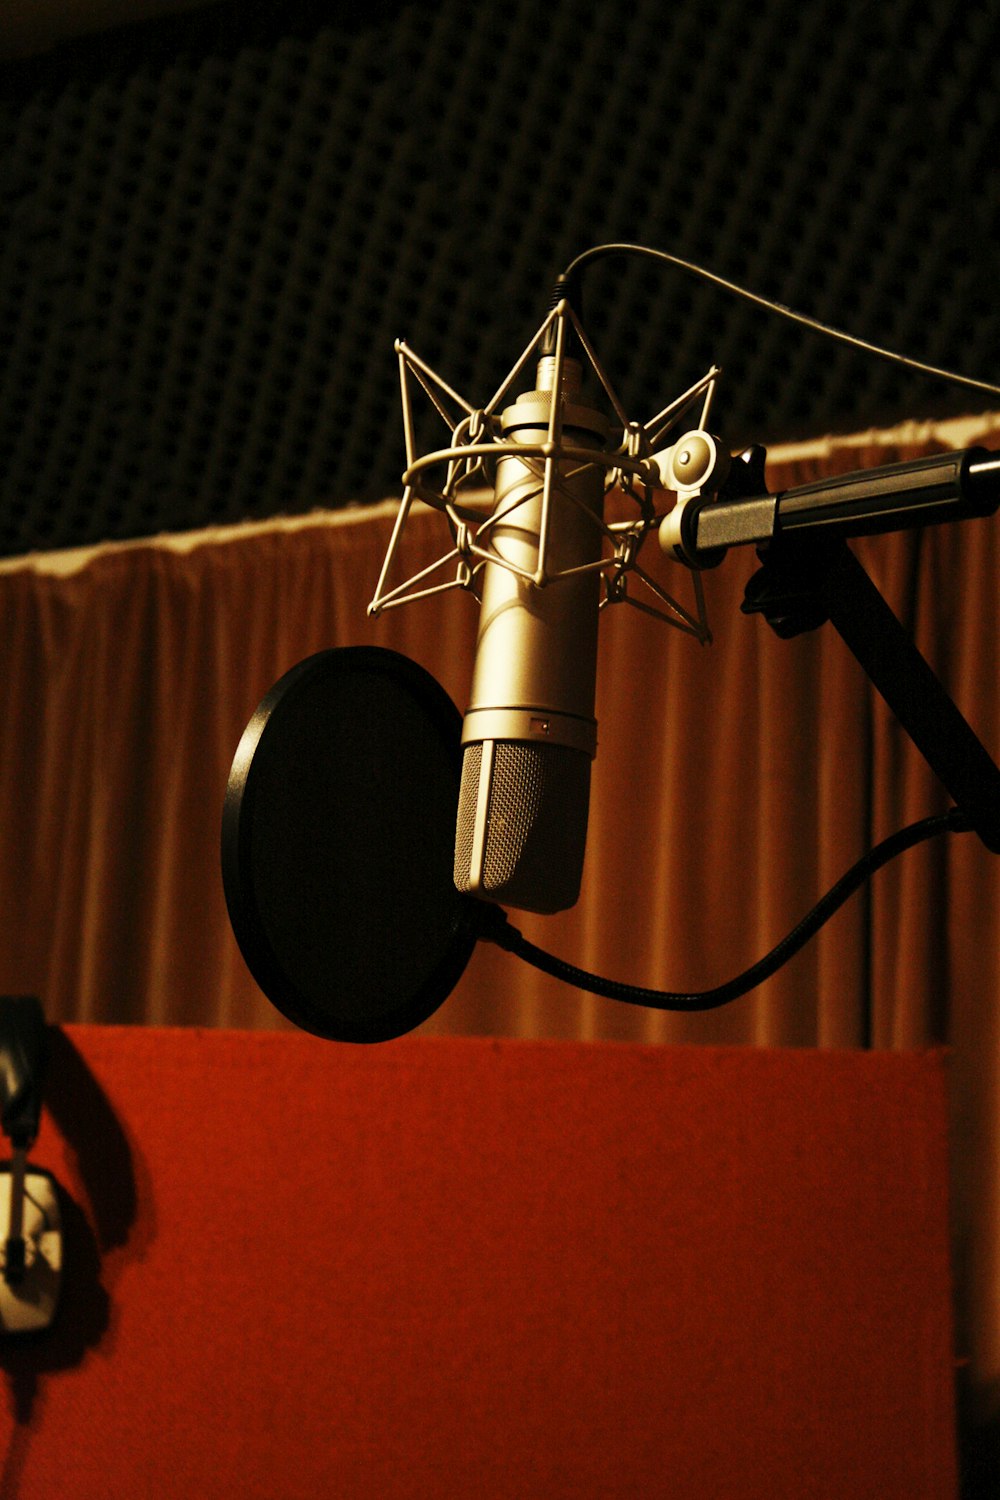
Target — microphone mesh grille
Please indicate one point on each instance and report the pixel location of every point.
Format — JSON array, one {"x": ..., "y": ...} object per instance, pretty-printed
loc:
[
  {"x": 536, "y": 824},
  {"x": 517, "y": 787},
  {"x": 466, "y": 826}
]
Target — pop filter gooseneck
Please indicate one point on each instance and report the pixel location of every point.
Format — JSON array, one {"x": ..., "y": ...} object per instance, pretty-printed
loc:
[{"x": 338, "y": 846}]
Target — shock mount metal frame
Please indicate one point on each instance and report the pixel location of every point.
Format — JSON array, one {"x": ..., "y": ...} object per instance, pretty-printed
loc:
[
  {"x": 477, "y": 443},
  {"x": 804, "y": 580}
]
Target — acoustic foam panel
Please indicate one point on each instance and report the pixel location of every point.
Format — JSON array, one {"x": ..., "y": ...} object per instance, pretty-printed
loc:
[{"x": 212, "y": 229}]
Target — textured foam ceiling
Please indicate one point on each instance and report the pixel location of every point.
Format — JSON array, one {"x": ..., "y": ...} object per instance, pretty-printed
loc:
[{"x": 214, "y": 228}]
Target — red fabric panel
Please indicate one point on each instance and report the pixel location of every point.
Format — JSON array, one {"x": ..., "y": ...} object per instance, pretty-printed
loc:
[{"x": 446, "y": 1267}]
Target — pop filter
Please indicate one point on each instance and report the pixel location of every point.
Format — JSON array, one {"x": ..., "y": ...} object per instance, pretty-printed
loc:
[{"x": 338, "y": 845}]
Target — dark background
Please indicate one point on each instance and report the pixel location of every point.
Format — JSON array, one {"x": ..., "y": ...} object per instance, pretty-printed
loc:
[{"x": 215, "y": 223}]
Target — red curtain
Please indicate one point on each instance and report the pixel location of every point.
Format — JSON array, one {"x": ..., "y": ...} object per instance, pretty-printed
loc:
[{"x": 734, "y": 783}]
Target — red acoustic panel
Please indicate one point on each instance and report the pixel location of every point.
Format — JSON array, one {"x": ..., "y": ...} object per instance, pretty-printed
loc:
[{"x": 463, "y": 1267}]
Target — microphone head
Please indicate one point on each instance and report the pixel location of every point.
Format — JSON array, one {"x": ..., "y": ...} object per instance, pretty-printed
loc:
[
  {"x": 529, "y": 731},
  {"x": 337, "y": 844},
  {"x": 522, "y": 823}
]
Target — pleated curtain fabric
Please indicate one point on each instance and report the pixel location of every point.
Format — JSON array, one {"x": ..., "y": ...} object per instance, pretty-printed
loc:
[{"x": 733, "y": 784}]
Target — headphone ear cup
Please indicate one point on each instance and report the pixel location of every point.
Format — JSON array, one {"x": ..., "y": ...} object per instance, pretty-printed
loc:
[{"x": 338, "y": 845}]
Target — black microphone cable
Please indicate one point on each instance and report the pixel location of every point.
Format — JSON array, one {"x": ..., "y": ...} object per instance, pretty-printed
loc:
[
  {"x": 496, "y": 928},
  {"x": 568, "y": 283}
]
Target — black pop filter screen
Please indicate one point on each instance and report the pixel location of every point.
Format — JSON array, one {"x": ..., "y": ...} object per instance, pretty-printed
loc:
[{"x": 338, "y": 845}]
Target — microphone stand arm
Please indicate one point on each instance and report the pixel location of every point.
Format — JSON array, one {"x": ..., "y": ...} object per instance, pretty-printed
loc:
[
  {"x": 809, "y": 575},
  {"x": 940, "y": 487}
]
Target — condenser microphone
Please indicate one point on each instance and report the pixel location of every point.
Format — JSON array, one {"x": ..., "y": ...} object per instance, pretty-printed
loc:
[{"x": 529, "y": 734}]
